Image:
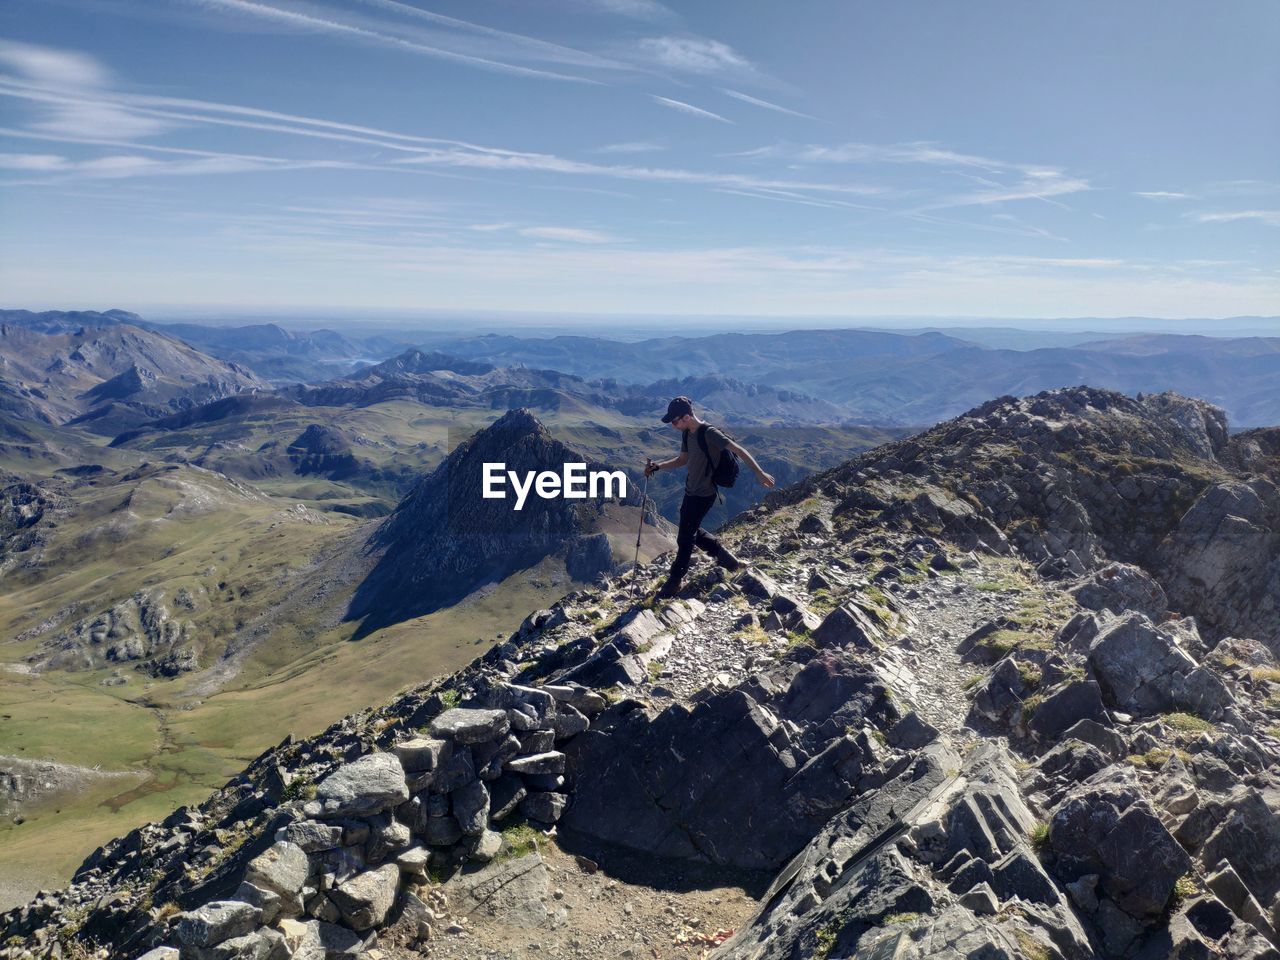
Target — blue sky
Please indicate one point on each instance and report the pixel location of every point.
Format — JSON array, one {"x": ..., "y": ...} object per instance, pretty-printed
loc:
[{"x": 993, "y": 159}]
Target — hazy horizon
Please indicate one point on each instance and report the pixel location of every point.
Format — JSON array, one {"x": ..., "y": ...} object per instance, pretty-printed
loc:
[{"x": 631, "y": 326}]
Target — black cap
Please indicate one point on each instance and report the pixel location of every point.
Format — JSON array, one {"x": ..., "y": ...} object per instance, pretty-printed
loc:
[{"x": 678, "y": 408}]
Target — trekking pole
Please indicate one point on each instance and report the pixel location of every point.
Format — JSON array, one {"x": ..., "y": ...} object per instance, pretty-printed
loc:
[{"x": 635, "y": 566}]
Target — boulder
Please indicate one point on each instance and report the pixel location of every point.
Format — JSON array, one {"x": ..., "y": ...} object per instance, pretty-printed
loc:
[
  {"x": 550, "y": 762},
  {"x": 311, "y": 836},
  {"x": 1105, "y": 826},
  {"x": 1143, "y": 671},
  {"x": 912, "y": 732},
  {"x": 457, "y": 772},
  {"x": 471, "y": 808},
  {"x": 756, "y": 584},
  {"x": 268, "y": 902},
  {"x": 505, "y": 795},
  {"x": 266, "y": 943},
  {"x": 283, "y": 868},
  {"x": 423, "y": 754},
  {"x": 544, "y": 807},
  {"x": 1068, "y": 705},
  {"x": 317, "y": 940},
  {"x": 466, "y": 726},
  {"x": 998, "y": 695},
  {"x": 214, "y": 922},
  {"x": 1100, "y": 735},
  {"x": 581, "y": 698},
  {"x": 487, "y": 846},
  {"x": 1120, "y": 587},
  {"x": 365, "y": 899},
  {"x": 368, "y": 785},
  {"x": 716, "y": 780},
  {"x": 1246, "y": 834},
  {"x": 441, "y": 831},
  {"x": 847, "y": 626}
]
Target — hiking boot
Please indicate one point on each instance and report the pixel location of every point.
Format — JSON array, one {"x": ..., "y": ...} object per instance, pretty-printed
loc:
[
  {"x": 727, "y": 559},
  {"x": 669, "y": 589}
]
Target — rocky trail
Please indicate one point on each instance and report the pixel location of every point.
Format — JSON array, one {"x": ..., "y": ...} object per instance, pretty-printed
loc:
[{"x": 1007, "y": 689}]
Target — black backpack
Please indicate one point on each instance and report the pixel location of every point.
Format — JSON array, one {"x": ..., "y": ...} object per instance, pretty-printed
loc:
[{"x": 725, "y": 471}]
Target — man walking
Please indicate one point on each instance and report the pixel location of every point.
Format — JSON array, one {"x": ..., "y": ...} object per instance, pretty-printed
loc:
[{"x": 700, "y": 448}]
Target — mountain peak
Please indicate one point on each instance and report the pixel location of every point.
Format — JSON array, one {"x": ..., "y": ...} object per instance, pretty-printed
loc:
[
  {"x": 445, "y": 538},
  {"x": 519, "y": 421}
]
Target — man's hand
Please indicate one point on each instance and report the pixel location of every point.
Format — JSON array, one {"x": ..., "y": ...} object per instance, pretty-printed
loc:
[
  {"x": 766, "y": 479},
  {"x": 650, "y": 468}
]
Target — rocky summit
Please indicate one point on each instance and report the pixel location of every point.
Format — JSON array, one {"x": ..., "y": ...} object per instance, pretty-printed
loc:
[{"x": 1006, "y": 689}]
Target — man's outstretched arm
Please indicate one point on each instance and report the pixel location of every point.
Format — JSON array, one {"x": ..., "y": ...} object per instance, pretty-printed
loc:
[
  {"x": 766, "y": 480},
  {"x": 671, "y": 464}
]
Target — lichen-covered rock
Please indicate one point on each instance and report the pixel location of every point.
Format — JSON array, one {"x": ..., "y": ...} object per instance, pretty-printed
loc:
[
  {"x": 215, "y": 922},
  {"x": 365, "y": 899},
  {"x": 366, "y": 786},
  {"x": 283, "y": 869},
  {"x": 466, "y": 726}
]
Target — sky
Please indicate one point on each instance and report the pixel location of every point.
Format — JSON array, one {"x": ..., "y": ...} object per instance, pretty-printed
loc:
[{"x": 607, "y": 157}]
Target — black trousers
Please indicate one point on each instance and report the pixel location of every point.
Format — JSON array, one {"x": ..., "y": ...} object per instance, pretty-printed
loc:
[{"x": 693, "y": 510}]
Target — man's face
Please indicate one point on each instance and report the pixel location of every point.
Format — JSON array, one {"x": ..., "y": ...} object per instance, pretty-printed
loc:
[{"x": 681, "y": 422}]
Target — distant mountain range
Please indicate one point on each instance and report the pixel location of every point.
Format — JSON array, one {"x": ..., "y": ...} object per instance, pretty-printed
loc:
[
  {"x": 108, "y": 378},
  {"x": 897, "y": 379},
  {"x": 275, "y": 354},
  {"x": 902, "y": 379}
]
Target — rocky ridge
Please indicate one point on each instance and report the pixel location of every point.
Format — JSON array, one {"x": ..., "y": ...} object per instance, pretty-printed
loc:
[{"x": 969, "y": 698}]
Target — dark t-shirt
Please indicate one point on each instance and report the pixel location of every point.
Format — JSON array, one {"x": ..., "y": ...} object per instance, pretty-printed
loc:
[{"x": 698, "y": 482}]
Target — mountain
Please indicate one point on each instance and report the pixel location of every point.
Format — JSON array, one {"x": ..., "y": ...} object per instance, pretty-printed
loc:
[
  {"x": 905, "y": 380},
  {"x": 743, "y": 402},
  {"x": 1007, "y": 688},
  {"x": 67, "y": 321},
  {"x": 108, "y": 377},
  {"x": 445, "y": 538},
  {"x": 742, "y": 355},
  {"x": 279, "y": 355}
]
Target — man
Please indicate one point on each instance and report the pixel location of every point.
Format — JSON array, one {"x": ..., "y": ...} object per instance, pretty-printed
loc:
[{"x": 699, "y": 490}]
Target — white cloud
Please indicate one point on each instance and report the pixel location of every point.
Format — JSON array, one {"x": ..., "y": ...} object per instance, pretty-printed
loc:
[
  {"x": 1163, "y": 195},
  {"x": 1271, "y": 217},
  {"x": 310, "y": 23},
  {"x": 634, "y": 146},
  {"x": 689, "y": 108},
  {"x": 32, "y": 161},
  {"x": 487, "y": 158},
  {"x": 69, "y": 77},
  {"x": 636, "y": 9},
  {"x": 925, "y": 153},
  {"x": 693, "y": 55},
  {"x": 122, "y": 166},
  {"x": 765, "y": 104},
  {"x": 501, "y": 42},
  {"x": 568, "y": 234},
  {"x": 53, "y": 67},
  {"x": 1041, "y": 186}
]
